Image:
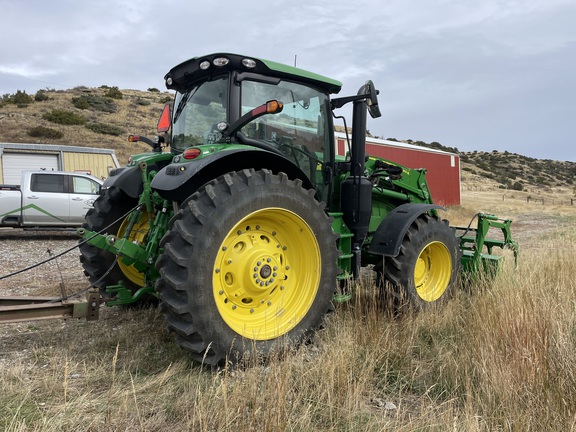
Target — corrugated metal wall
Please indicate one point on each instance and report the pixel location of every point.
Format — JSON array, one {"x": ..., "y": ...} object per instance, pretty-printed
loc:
[
  {"x": 443, "y": 169},
  {"x": 96, "y": 164},
  {"x": 95, "y": 161}
]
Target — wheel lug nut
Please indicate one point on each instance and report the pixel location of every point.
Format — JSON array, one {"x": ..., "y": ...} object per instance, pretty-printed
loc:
[
  {"x": 255, "y": 275},
  {"x": 221, "y": 292},
  {"x": 287, "y": 267},
  {"x": 261, "y": 283},
  {"x": 257, "y": 281},
  {"x": 271, "y": 280},
  {"x": 251, "y": 310},
  {"x": 284, "y": 248},
  {"x": 259, "y": 263},
  {"x": 273, "y": 232},
  {"x": 281, "y": 287},
  {"x": 275, "y": 268},
  {"x": 274, "y": 274},
  {"x": 269, "y": 260},
  {"x": 239, "y": 232},
  {"x": 233, "y": 307},
  {"x": 224, "y": 248},
  {"x": 269, "y": 303},
  {"x": 229, "y": 261},
  {"x": 257, "y": 227},
  {"x": 217, "y": 270},
  {"x": 255, "y": 268}
]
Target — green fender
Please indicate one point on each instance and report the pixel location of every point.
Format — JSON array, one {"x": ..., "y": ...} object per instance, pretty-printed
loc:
[
  {"x": 178, "y": 181},
  {"x": 389, "y": 235}
]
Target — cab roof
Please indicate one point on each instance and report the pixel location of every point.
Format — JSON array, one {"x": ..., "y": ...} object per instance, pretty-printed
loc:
[{"x": 199, "y": 68}]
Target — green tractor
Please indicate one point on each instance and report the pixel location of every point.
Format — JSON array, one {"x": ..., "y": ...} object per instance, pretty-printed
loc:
[{"x": 251, "y": 226}]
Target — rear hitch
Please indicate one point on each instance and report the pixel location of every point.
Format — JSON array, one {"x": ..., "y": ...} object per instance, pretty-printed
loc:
[{"x": 29, "y": 308}]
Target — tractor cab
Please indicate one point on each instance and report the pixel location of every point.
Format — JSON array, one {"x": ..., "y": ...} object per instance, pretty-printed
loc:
[{"x": 251, "y": 106}]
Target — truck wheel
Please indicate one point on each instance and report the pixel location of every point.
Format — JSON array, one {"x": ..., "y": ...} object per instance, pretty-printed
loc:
[
  {"x": 426, "y": 268},
  {"x": 249, "y": 265},
  {"x": 96, "y": 262}
]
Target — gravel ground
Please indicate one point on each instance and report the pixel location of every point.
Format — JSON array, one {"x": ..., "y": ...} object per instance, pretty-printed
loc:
[{"x": 20, "y": 249}]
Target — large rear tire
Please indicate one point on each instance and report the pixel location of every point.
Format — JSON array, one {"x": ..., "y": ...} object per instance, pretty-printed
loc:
[
  {"x": 109, "y": 208},
  {"x": 249, "y": 265},
  {"x": 426, "y": 268}
]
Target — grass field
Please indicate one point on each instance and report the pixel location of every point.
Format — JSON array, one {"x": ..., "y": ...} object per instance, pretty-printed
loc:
[{"x": 501, "y": 355}]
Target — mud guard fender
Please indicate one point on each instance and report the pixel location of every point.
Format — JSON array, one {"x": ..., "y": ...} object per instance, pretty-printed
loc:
[
  {"x": 177, "y": 175},
  {"x": 177, "y": 181},
  {"x": 127, "y": 179},
  {"x": 389, "y": 235}
]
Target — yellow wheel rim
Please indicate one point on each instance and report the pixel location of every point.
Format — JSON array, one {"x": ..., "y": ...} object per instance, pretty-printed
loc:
[
  {"x": 137, "y": 235},
  {"x": 432, "y": 271},
  {"x": 266, "y": 274}
]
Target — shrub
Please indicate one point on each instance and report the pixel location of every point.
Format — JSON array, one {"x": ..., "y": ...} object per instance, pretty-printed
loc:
[
  {"x": 518, "y": 186},
  {"x": 94, "y": 102},
  {"x": 142, "y": 102},
  {"x": 166, "y": 99},
  {"x": 64, "y": 117},
  {"x": 105, "y": 129},
  {"x": 114, "y": 93},
  {"x": 154, "y": 90},
  {"x": 81, "y": 103},
  {"x": 20, "y": 99},
  {"x": 41, "y": 96},
  {"x": 44, "y": 132}
]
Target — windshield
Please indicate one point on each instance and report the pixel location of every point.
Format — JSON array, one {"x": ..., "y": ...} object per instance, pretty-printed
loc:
[
  {"x": 301, "y": 132},
  {"x": 301, "y": 122},
  {"x": 197, "y": 111}
]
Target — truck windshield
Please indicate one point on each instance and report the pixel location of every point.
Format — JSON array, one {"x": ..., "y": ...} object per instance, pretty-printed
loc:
[{"x": 197, "y": 111}]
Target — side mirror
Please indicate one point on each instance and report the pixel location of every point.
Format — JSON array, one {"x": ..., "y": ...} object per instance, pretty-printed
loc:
[{"x": 372, "y": 100}]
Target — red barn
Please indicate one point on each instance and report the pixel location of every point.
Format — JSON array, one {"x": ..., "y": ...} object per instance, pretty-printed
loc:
[{"x": 443, "y": 169}]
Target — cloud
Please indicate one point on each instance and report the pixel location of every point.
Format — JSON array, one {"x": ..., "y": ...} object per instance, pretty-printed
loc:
[{"x": 482, "y": 73}]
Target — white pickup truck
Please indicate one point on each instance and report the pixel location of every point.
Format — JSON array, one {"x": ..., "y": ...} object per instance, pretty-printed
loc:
[{"x": 46, "y": 199}]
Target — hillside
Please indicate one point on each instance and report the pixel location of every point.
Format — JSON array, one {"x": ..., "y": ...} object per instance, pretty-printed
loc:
[
  {"x": 105, "y": 116},
  {"x": 89, "y": 117},
  {"x": 510, "y": 170}
]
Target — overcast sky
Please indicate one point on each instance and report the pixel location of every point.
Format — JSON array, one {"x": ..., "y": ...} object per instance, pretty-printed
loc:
[{"x": 475, "y": 74}]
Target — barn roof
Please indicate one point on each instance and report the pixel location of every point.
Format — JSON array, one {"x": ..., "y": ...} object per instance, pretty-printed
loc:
[{"x": 371, "y": 140}]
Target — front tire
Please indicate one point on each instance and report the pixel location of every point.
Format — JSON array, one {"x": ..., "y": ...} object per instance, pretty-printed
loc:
[
  {"x": 250, "y": 261},
  {"x": 426, "y": 268}
]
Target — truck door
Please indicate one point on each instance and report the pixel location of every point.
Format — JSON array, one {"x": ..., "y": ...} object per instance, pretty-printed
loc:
[
  {"x": 46, "y": 202},
  {"x": 83, "y": 193}
]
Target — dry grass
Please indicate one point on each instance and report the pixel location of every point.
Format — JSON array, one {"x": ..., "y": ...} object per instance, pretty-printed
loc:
[{"x": 500, "y": 356}]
